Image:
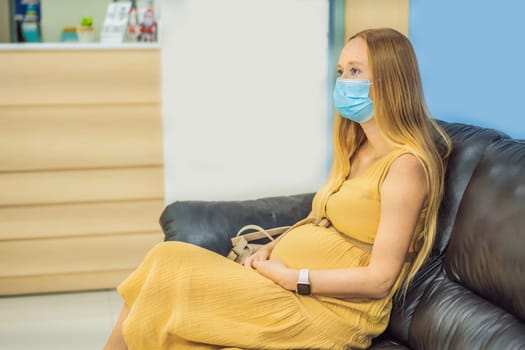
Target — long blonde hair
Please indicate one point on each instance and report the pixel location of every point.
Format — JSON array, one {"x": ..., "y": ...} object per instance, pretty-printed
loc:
[{"x": 402, "y": 117}]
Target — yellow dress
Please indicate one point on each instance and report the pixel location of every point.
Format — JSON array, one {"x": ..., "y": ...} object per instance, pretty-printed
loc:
[{"x": 186, "y": 297}]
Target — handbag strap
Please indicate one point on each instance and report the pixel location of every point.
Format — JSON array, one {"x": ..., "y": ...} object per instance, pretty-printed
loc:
[{"x": 260, "y": 232}]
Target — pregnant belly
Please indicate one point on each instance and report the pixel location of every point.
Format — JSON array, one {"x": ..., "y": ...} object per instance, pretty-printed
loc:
[{"x": 315, "y": 247}]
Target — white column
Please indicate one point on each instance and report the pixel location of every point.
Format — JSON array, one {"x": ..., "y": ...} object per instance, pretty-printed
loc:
[{"x": 244, "y": 97}]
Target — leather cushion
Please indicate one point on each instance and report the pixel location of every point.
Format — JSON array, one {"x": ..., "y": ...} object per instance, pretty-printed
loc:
[
  {"x": 486, "y": 253},
  {"x": 452, "y": 317},
  {"x": 468, "y": 144}
]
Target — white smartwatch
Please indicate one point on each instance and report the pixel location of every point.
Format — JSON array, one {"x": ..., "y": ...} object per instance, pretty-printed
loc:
[{"x": 303, "y": 283}]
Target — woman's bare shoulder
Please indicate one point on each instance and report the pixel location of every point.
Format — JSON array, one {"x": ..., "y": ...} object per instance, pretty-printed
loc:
[{"x": 406, "y": 172}]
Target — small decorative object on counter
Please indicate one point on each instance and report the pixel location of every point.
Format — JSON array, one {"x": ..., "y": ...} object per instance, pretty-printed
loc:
[
  {"x": 133, "y": 26},
  {"x": 116, "y": 22},
  {"x": 31, "y": 25},
  {"x": 26, "y": 20},
  {"x": 69, "y": 34},
  {"x": 148, "y": 27},
  {"x": 86, "y": 31}
]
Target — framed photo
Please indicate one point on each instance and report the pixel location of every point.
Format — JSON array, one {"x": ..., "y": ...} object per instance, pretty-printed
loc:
[{"x": 116, "y": 22}]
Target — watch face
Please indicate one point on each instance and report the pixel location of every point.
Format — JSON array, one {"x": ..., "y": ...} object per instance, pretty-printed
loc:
[{"x": 303, "y": 289}]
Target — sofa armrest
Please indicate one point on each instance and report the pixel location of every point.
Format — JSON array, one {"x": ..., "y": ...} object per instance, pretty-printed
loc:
[{"x": 211, "y": 224}]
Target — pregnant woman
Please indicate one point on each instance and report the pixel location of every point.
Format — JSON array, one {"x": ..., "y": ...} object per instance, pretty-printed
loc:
[{"x": 329, "y": 282}]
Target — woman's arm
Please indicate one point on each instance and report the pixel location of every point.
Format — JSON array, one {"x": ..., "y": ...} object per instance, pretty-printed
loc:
[{"x": 403, "y": 195}]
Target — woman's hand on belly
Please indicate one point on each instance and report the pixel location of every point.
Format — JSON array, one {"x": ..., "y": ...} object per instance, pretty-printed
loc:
[
  {"x": 277, "y": 271},
  {"x": 261, "y": 255}
]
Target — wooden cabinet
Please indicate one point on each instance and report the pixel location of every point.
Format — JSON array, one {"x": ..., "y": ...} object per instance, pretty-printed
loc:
[
  {"x": 365, "y": 14},
  {"x": 81, "y": 167}
]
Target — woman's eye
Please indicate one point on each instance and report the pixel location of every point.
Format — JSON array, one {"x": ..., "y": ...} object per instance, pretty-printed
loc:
[
  {"x": 354, "y": 71},
  {"x": 339, "y": 72}
]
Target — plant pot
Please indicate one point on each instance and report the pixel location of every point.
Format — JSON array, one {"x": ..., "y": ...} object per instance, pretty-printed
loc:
[{"x": 86, "y": 34}]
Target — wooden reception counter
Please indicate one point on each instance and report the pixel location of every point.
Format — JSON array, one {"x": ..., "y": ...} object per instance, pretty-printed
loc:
[{"x": 81, "y": 167}]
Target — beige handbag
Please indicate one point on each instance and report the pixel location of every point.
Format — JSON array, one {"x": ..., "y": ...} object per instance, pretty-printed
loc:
[{"x": 241, "y": 246}]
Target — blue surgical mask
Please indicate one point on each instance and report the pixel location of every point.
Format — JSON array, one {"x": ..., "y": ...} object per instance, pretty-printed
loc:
[{"x": 351, "y": 99}]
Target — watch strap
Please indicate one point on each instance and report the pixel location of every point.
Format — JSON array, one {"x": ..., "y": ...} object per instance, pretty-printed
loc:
[
  {"x": 304, "y": 276},
  {"x": 303, "y": 282}
]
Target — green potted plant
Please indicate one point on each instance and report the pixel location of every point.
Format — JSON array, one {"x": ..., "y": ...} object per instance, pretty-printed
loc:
[{"x": 86, "y": 31}]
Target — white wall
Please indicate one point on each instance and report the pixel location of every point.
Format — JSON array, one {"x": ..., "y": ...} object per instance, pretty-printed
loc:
[{"x": 244, "y": 97}]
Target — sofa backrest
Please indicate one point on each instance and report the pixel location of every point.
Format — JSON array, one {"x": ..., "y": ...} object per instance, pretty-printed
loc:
[
  {"x": 486, "y": 253},
  {"x": 468, "y": 142},
  {"x": 211, "y": 224},
  {"x": 472, "y": 293}
]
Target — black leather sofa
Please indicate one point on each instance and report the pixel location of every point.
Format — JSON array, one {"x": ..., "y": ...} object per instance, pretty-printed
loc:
[{"x": 471, "y": 293}]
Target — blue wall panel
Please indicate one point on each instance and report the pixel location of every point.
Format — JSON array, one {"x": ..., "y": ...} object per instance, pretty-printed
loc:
[{"x": 472, "y": 60}]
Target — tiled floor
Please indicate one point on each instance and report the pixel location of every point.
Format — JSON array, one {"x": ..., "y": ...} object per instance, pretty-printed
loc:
[{"x": 72, "y": 321}]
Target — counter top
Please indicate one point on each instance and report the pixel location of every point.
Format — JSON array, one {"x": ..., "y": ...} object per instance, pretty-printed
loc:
[{"x": 77, "y": 46}]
